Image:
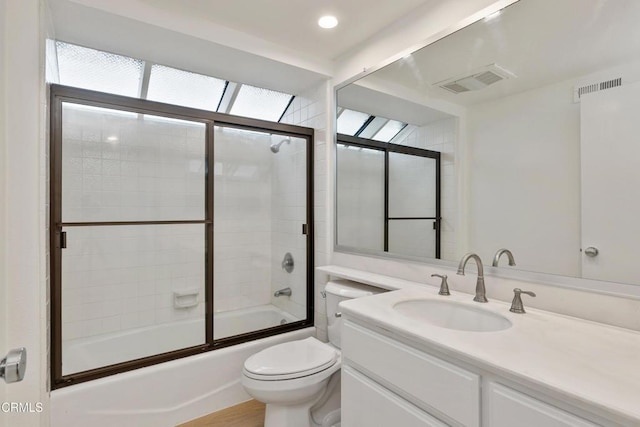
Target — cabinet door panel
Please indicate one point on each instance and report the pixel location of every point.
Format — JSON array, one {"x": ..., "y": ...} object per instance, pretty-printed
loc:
[
  {"x": 365, "y": 403},
  {"x": 509, "y": 408},
  {"x": 452, "y": 391}
]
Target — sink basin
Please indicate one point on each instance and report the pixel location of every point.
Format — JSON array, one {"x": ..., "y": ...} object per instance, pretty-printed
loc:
[{"x": 452, "y": 315}]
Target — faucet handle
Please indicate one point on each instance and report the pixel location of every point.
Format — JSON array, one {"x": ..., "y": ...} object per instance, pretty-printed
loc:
[
  {"x": 444, "y": 286},
  {"x": 516, "y": 304}
]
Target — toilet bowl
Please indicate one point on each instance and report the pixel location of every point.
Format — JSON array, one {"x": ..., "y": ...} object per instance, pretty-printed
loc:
[{"x": 300, "y": 380}]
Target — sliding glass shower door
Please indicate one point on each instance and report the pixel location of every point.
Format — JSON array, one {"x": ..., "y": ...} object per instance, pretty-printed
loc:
[
  {"x": 133, "y": 233},
  {"x": 260, "y": 218},
  {"x": 174, "y": 231}
]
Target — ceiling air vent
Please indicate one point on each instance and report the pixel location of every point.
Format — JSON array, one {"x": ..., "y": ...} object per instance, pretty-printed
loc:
[
  {"x": 478, "y": 79},
  {"x": 580, "y": 90}
]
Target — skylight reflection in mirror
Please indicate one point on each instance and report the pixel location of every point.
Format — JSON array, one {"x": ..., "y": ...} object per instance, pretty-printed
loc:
[
  {"x": 389, "y": 131},
  {"x": 350, "y": 122}
]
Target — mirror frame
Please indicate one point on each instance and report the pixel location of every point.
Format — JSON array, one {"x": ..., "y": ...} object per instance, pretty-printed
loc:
[{"x": 623, "y": 290}]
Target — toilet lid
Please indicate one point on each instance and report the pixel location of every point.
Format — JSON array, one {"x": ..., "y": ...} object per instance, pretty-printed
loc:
[{"x": 291, "y": 360}]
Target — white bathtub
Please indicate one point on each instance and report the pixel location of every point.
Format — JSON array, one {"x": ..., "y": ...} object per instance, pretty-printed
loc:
[
  {"x": 168, "y": 393},
  {"x": 248, "y": 319},
  {"x": 83, "y": 354}
]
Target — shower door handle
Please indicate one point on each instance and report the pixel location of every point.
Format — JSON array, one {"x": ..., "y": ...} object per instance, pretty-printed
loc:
[{"x": 14, "y": 365}]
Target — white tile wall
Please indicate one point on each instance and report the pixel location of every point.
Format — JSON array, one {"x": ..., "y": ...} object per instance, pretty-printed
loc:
[
  {"x": 120, "y": 278},
  {"x": 310, "y": 109},
  {"x": 242, "y": 219},
  {"x": 288, "y": 215},
  {"x": 121, "y": 167}
]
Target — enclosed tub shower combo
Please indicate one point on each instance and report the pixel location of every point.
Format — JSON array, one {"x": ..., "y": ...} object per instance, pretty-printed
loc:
[{"x": 174, "y": 232}]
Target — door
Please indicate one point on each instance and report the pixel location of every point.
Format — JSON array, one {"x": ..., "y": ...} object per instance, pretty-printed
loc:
[{"x": 610, "y": 176}]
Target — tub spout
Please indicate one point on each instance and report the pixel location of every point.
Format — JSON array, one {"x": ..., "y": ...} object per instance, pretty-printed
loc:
[{"x": 280, "y": 292}]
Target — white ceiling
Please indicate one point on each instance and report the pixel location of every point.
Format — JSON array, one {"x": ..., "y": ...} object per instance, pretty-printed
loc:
[
  {"x": 275, "y": 44},
  {"x": 540, "y": 41},
  {"x": 293, "y": 23}
]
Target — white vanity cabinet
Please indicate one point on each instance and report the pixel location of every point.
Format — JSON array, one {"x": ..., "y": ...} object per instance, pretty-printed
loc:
[
  {"x": 386, "y": 382},
  {"x": 508, "y": 408},
  {"x": 447, "y": 391}
]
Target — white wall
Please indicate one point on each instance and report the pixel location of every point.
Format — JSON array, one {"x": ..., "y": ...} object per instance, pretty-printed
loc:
[
  {"x": 3, "y": 190},
  {"x": 310, "y": 109},
  {"x": 26, "y": 198},
  {"x": 524, "y": 163}
]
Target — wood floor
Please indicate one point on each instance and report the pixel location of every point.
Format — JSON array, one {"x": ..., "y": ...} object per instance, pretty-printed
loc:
[{"x": 247, "y": 414}]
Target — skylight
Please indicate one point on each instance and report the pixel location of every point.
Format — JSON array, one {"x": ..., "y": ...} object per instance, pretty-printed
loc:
[
  {"x": 107, "y": 72},
  {"x": 96, "y": 70},
  {"x": 184, "y": 88},
  {"x": 260, "y": 103}
]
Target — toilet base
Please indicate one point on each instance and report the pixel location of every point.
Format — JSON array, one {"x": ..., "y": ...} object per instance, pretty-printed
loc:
[{"x": 295, "y": 415}]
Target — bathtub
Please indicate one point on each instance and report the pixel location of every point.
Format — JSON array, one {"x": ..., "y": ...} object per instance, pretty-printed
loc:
[
  {"x": 168, "y": 393},
  {"x": 83, "y": 354}
]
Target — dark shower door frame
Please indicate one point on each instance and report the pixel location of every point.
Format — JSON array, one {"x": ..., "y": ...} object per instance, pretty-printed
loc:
[{"x": 60, "y": 94}]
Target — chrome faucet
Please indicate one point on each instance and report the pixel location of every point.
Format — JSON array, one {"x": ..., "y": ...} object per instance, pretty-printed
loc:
[
  {"x": 496, "y": 258},
  {"x": 516, "y": 304},
  {"x": 444, "y": 285},
  {"x": 286, "y": 292},
  {"x": 480, "y": 290}
]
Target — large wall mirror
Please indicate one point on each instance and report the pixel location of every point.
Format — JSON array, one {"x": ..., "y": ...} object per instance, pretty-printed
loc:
[{"x": 520, "y": 131}]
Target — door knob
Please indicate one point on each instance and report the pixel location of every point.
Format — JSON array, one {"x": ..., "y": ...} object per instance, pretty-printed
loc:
[
  {"x": 14, "y": 365},
  {"x": 591, "y": 252}
]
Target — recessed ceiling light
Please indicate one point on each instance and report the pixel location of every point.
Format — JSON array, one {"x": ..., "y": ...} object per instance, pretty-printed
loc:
[
  {"x": 112, "y": 138},
  {"x": 328, "y": 21}
]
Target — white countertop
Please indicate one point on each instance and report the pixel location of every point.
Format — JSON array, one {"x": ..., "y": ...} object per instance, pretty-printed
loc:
[
  {"x": 594, "y": 366},
  {"x": 373, "y": 279}
]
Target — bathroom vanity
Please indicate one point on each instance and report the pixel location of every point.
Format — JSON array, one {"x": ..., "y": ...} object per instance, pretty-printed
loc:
[{"x": 537, "y": 369}]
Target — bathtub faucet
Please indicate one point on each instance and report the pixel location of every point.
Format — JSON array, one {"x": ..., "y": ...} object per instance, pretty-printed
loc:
[{"x": 285, "y": 292}]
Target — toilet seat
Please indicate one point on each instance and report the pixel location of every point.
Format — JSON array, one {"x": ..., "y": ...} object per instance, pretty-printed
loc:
[{"x": 291, "y": 360}]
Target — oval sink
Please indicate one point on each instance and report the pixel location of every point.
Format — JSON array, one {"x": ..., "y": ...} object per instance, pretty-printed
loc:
[{"x": 452, "y": 315}]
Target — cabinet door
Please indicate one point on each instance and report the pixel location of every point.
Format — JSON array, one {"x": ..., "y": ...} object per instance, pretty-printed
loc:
[
  {"x": 509, "y": 408},
  {"x": 366, "y": 403},
  {"x": 444, "y": 388}
]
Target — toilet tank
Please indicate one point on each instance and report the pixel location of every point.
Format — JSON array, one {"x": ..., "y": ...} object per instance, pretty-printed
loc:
[{"x": 341, "y": 290}]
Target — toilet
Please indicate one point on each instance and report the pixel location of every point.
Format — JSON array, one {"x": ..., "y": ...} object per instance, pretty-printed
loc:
[{"x": 300, "y": 380}]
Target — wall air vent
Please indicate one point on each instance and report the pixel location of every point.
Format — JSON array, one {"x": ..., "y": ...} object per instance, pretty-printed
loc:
[
  {"x": 584, "y": 89},
  {"x": 478, "y": 79}
]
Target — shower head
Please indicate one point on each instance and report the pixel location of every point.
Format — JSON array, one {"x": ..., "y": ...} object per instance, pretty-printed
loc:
[{"x": 276, "y": 147}]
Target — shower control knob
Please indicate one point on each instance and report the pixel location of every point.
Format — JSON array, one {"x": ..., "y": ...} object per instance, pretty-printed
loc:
[
  {"x": 591, "y": 252},
  {"x": 14, "y": 365},
  {"x": 287, "y": 263}
]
